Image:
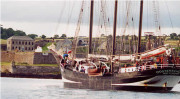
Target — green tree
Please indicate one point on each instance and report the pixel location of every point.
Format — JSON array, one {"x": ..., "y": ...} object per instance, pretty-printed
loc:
[
  {"x": 118, "y": 36},
  {"x": 6, "y": 33},
  {"x": 134, "y": 37},
  {"x": 4, "y": 36},
  {"x": 109, "y": 36},
  {"x": 63, "y": 36},
  {"x": 2, "y": 30},
  {"x": 19, "y": 33},
  {"x": 127, "y": 37},
  {"x": 70, "y": 38},
  {"x": 173, "y": 36},
  {"x": 43, "y": 36},
  {"x": 32, "y": 36},
  {"x": 153, "y": 37},
  {"x": 56, "y": 36},
  {"x": 102, "y": 35}
]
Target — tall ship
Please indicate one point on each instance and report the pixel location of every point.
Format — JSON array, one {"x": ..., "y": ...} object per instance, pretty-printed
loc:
[{"x": 152, "y": 70}]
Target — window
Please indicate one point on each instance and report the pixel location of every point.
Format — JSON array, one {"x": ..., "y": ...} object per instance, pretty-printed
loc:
[
  {"x": 23, "y": 42},
  {"x": 13, "y": 48},
  {"x": 19, "y": 48},
  {"x": 29, "y": 43},
  {"x": 13, "y": 42},
  {"x": 19, "y": 42},
  {"x": 32, "y": 43},
  {"x": 32, "y": 48},
  {"x": 29, "y": 48},
  {"x": 25, "y": 48}
]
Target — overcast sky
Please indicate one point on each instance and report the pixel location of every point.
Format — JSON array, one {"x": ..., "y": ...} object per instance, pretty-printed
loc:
[{"x": 59, "y": 17}]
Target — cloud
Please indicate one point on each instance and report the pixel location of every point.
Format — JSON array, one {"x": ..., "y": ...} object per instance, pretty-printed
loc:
[
  {"x": 35, "y": 11},
  {"x": 42, "y": 16}
]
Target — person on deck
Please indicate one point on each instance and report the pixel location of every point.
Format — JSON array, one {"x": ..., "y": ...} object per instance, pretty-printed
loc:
[
  {"x": 82, "y": 69},
  {"x": 119, "y": 71},
  {"x": 77, "y": 67},
  {"x": 64, "y": 60}
]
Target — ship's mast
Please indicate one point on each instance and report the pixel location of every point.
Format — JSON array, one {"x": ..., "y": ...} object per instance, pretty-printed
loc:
[
  {"x": 91, "y": 27},
  {"x": 114, "y": 29},
  {"x": 140, "y": 26},
  {"x": 114, "y": 32}
]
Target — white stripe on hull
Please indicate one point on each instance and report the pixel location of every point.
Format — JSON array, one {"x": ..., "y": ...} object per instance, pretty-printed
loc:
[
  {"x": 161, "y": 80},
  {"x": 68, "y": 81}
]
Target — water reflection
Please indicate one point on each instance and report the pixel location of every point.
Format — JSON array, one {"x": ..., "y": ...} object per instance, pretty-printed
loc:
[{"x": 23, "y": 88}]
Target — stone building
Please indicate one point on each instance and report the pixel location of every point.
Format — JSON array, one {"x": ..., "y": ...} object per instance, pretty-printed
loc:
[
  {"x": 20, "y": 43},
  {"x": 63, "y": 46},
  {"x": 3, "y": 47}
]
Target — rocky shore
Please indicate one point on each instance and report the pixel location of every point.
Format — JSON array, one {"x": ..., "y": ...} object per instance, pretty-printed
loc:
[
  {"x": 46, "y": 76},
  {"x": 46, "y": 72}
]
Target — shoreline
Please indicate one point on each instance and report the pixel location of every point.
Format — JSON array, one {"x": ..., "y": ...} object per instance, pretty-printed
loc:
[{"x": 38, "y": 76}]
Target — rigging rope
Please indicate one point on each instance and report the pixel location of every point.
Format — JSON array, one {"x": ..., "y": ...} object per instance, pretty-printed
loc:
[
  {"x": 59, "y": 20},
  {"x": 169, "y": 16},
  {"x": 147, "y": 16},
  {"x": 156, "y": 17},
  {"x": 75, "y": 41},
  {"x": 69, "y": 17},
  {"x": 104, "y": 17},
  {"x": 99, "y": 32},
  {"x": 127, "y": 16}
]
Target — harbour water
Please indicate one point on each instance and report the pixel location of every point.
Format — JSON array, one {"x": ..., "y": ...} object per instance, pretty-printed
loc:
[{"x": 27, "y": 88}]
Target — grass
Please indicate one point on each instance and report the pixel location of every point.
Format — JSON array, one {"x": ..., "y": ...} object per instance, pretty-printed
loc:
[
  {"x": 25, "y": 64},
  {"x": 3, "y": 41},
  {"x": 53, "y": 65},
  {"x": 177, "y": 49},
  {"x": 56, "y": 73},
  {"x": 5, "y": 63},
  {"x": 172, "y": 42},
  {"x": 38, "y": 39},
  {"x": 44, "y": 48}
]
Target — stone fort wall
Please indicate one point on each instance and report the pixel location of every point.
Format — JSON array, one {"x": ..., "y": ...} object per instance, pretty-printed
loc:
[
  {"x": 27, "y": 57},
  {"x": 34, "y": 69},
  {"x": 30, "y": 71},
  {"x": 7, "y": 56},
  {"x": 40, "y": 58},
  {"x": 24, "y": 57}
]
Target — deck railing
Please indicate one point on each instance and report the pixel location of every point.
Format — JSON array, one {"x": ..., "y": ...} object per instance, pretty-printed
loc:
[
  {"x": 159, "y": 66},
  {"x": 149, "y": 67}
]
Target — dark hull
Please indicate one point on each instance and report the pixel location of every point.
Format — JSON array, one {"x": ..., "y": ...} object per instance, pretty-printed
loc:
[
  {"x": 124, "y": 88},
  {"x": 150, "y": 80}
]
